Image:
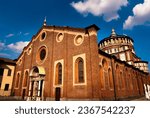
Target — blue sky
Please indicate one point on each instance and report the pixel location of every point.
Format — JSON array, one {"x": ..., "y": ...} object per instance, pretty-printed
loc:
[{"x": 21, "y": 19}]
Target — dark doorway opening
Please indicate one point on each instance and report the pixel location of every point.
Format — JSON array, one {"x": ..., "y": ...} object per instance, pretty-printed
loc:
[
  {"x": 57, "y": 93},
  {"x": 23, "y": 93}
]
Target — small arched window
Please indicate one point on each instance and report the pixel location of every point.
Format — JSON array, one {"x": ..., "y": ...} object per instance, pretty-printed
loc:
[
  {"x": 120, "y": 79},
  {"x": 110, "y": 79},
  {"x": 126, "y": 79},
  {"x": 130, "y": 82},
  {"x": 17, "y": 80},
  {"x": 25, "y": 79},
  {"x": 79, "y": 70},
  {"x": 136, "y": 81},
  {"x": 102, "y": 83},
  {"x": 58, "y": 75},
  {"x": 105, "y": 74},
  {"x": 118, "y": 82}
]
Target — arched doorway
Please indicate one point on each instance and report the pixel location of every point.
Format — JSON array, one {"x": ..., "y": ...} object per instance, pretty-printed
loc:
[{"x": 36, "y": 86}]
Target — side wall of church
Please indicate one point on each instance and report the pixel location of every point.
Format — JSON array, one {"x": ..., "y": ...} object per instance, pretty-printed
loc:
[{"x": 119, "y": 80}]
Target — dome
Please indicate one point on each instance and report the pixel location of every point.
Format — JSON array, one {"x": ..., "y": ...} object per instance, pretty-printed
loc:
[{"x": 115, "y": 39}]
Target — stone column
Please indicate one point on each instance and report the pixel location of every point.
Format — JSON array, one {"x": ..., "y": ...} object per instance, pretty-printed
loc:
[
  {"x": 29, "y": 93},
  {"x": 39, "y": 88},
  {"x": 43, "y": 90}
]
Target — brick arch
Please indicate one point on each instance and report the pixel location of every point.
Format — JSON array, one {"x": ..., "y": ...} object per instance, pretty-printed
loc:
[
  {"x": 26, "y": 76},
  {"x": 37, "y": 70}
]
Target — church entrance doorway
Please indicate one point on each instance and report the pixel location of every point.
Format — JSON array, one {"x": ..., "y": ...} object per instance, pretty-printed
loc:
[
  {"x": 23, "y": 93},
  {"x": 36, "y": 86}
]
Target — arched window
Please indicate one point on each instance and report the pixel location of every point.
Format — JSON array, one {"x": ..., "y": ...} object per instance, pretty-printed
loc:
[
  {"x": 131, "y": 83},
  {"x": 17, "y": 80},
  {"x": 25, "y": 79},
  {"x": 117, "y": 77},
  {"x": 123, "y": 80},
  {"x": 79, "y": 67},
  {"x": 105, "y": 74},
  {"x": 120, "y": 80},
  {"x": 136, "y": 81},
  {"x": 133, "y": 80},
  {"x": 58, "y": 76},
  {"x": 126, "y": 79},
  {"x": 110, "y": 79},
  {"x": 101, "y": 77}
]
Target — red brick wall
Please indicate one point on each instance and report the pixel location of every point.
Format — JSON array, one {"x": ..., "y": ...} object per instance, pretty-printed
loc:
[{"x": 132, "y": 79}]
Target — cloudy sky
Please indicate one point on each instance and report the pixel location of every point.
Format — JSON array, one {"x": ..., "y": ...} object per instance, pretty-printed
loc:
[{"x": 21, "y": 19}]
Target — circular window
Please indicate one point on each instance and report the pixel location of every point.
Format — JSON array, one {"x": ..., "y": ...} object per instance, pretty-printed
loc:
[
  {"x": 78, "y": 40},
  {"x": 43, "y": 36},
  {"x": 29, "y": 51},
  {"x": 41, "y": 55},
  {"x": 59, "y": 37}
]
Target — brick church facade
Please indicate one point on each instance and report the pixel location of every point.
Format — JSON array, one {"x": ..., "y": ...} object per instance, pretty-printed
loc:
[{"x": 66, "y": 63}]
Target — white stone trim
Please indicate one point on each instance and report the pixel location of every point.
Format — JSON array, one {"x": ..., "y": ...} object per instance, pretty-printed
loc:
[
  {"x": 122, "y": 56},
  {"x": 37, "y": 53},
  {"x": 83, "y": 56},
  {"x": 27, "y": 50},
  {"x": 58, "y": 31},
  {"x": 54, "y": 85},
  {"x": 93, "y": 33},
  {"x": 66, "y": 31},
  {"x": 75, "y": 38},
  {"x": 58, "y": 37},
  {"x": 19, "y": 62},
  {"x": 55, "y": 63},
  {"x": 18, "y": 72},
  {"x": 41, "y": 35}
]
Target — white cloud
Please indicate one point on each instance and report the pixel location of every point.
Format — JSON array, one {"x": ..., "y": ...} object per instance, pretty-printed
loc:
[
  {"x": 9, "y": 35},
  {"x": 4, "y": 55},
  {"x": 2, "y": 45},
  {"x": 25, "y": 34},
  {"x": 141, "y": 15},
  {"x": 106, "y": 8},
  {"x": 18, "y": 46}
]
